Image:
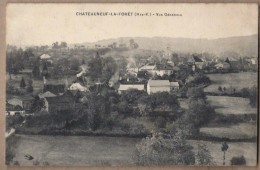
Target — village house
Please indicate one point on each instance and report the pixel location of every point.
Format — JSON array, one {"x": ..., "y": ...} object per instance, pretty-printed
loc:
[
  {"x": 171, "y": 63},
  {"x": 56, "y": 87},
  {"x": 235, "y": 64},
  {"x": 78, "y": 86},
  {"x": 162, "y": 69},
  {"x": 46, "y": 94},
  {"x": 198, "y": 62},
  {"x": 174, "y": 86},
  {"x": 124, "y": 87},
  {"x": 154, "y": 86},
  {"x": 25, "y": 102},
  {"x": 64, "y": 102},
  {"x": 83, "y": 71},
  {"x": 12, "y": 110},
  {"x": 148, "y": 68},
  {"x": 15, "y": 101},
  {"x": 45, "y": 57},
  {"x": 222, "y": 66},
  {"x": 132, "y": 69}
]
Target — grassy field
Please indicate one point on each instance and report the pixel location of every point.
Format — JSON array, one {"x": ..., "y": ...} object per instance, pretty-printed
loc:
[
  {"x": 76, "y": 150},
  {"x": 84, "y": 150},
  {"x": 248, "y": 150},
  {"x": 231, "y": 80},
  {"x": 231, "y": 105},
  {"x": 239, "y": 131}
]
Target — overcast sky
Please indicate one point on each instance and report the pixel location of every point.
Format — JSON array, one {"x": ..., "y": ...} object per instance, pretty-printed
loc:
[{"x": 40, "y": 24}]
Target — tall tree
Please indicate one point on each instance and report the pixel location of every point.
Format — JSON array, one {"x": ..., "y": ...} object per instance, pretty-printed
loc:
[
  {"x": 203, "y": 156},
  {"x": 95, "y": 67},
  {"x": 224, "y": 148},
  {"x": 63, "y": 44},
  {"x": 22, "y": 83},
  {"x": 36, "y": 71},
  {"x": 29, "y": 86},
  {"x": 45, "y": 70}
]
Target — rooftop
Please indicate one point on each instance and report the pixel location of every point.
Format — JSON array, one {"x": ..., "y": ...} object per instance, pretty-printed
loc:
[
  {"x": 159, "y": 83},
  {"x": 174, "y": 84},
  {"x": 45, "y": 56},
  {"x": 131, "y": 86},
  {"x": 46, "y": 94}
]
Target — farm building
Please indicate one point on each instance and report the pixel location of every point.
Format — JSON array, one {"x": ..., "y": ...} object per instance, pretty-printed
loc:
[
  {"x": 155, "y": 86},
  {"x": 124, "y": 87}
]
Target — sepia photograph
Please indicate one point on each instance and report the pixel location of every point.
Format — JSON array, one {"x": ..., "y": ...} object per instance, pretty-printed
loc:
[{"x": 119, "y": 84}]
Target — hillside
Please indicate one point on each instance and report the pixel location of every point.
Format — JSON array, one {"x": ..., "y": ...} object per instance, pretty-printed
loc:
[{"x": 223, "y": 47}]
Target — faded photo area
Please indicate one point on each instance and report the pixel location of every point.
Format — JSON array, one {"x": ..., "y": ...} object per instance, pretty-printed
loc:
[{"x": 131, "y": 84}]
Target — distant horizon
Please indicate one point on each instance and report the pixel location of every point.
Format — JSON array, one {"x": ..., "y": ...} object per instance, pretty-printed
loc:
[{"x": 75, "y": 43}]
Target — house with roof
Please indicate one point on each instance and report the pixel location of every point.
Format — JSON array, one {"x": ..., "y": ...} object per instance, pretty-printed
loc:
[
  {"x": 154, "y": 86},
  {"x": 12, "y": 110},
  {"x": 15, "y": 101},
  {"x": 56, "y": 89},
  {"x": 78, "y": 86},
  {"x": 234, "y": 64},
  {"x": 46, "y": 94},
  {"x": 163, "y": 69},
  {"x": 148, "y": 68},
  {"x": 63, "y": 102},
  {"x": 83, "y": 71},
  {"x": 125, "y": 87},
  {"x": 222, "y": 66},
  {"x": 24, "y": 102},
  {"x": 174, "y": 86},
  {"x": 199, "y": 63},
  {"x": 132, "y": 69},
  {"x": 45, "y": 57}
]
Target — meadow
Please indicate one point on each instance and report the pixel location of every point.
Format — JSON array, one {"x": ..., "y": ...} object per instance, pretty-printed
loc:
[
  {"x": 231, "y": 105},
  {"x": 231, "y": 81},
  {"x": 86, "y": 150},
  {"x": 76, "y": 150}
]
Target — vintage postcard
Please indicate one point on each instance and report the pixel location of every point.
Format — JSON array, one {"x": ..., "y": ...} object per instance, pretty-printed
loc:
[{"x": 131, "y": 84}]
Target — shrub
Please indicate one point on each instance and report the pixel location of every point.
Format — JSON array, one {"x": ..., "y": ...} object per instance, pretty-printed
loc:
[
  {"x": 203, "y": 156},
  {"x": 238, "y": 160},
  {"x": 161, "y": 150}
]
